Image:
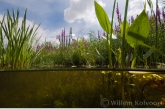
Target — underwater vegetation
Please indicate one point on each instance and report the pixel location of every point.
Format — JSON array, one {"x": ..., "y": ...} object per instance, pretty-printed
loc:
[{"x": 77, "y": 89}]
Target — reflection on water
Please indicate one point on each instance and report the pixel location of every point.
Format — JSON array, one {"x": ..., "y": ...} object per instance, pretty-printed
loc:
[{"x": 77, "y": 88}]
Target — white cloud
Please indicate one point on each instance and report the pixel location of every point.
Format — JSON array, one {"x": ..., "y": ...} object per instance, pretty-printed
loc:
[
  {"x": 49, "y": 35},
  {"x": 44, "y": 34},
  {"x": 81, "y": 10},
  {"x": 136, "y": 7}
]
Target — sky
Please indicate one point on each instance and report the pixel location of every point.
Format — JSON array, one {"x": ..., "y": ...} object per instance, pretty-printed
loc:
[{"x": 54, "y": 15}]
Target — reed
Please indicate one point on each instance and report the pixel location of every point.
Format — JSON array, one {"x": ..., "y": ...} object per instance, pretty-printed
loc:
[{"x": 19, "y": 49}]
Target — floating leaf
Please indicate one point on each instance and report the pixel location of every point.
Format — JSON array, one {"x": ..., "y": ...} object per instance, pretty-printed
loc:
[{"x": 139, "y": 30}]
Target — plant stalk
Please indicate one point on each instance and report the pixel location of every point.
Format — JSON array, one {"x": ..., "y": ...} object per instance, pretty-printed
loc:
[
  {"x": 156, "y": 38},
  {"x": 110, "y": 53},
  {"x": 122, "y": 51}
]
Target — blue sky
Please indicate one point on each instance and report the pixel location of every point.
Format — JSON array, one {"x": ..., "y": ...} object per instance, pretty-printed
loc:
[{"x": 57, "y": 14}]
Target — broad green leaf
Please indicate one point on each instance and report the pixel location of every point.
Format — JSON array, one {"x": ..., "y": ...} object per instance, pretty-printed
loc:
[
  {"x": 145, "y": 56},
  {"x": 139, "y": 30},
  {"x": 102, "y": 18}
]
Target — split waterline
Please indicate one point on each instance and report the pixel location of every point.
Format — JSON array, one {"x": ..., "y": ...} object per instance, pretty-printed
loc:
[{"x": 129, "y": 70}]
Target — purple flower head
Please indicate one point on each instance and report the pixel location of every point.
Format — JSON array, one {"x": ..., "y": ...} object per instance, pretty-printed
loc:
[
  {"x": 117, "y": 9},
  {"x": 86, "y": 44},
  {"x": 163, "y": 14},
  {"x": 104, "y": 34},
  {"x": 38, "y": 47},
  {"x": 98, "y": 35},
  {"x": 116, "y": 28},
  {"x": 118, "y": 13},
  {"x": 132, "y": 19},
  {"x": 120, "y": 18},
  {"x": 158, "y": 11},
  {"x": 48, "y": 46}
]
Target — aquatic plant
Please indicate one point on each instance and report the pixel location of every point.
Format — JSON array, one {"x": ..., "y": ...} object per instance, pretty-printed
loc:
[
  {"x": 134, "y": 34},
  {"x": 17, "y": 42}
]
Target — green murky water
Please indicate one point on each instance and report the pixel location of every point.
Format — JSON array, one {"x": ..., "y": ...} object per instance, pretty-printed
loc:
[{"x": 76, "y": 88}]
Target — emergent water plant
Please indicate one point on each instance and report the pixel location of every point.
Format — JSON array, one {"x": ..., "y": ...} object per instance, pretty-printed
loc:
[
  {"x": 17, "y": 45},
  {"x": 134, "y": 34}
]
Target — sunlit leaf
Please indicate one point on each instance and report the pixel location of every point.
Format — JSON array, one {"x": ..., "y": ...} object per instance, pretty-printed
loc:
[
  {"x": 102, "y": 18},
  {"x": 139, "y": 30}
]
